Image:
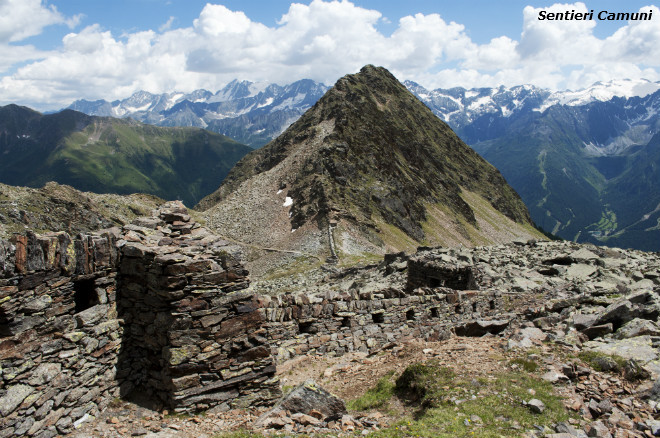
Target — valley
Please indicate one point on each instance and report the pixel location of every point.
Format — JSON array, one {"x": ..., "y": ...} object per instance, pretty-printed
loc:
[{"x": 109, "y": 155}]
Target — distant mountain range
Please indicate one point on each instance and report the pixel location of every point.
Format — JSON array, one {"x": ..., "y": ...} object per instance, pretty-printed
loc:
[
  {"x": 583, "y": 161},
  {"x": 250, "y": 113},
  {"x": 110, "y": 155}
]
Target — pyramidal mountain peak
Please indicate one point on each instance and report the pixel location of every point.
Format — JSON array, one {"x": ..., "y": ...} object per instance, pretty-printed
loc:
[{"x": 368, "y": 169}]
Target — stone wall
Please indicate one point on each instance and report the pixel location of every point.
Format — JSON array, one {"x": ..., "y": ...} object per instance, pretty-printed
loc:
[
  {"x": 153, "y": 307},
  {"x": 59, "y": 333},
  {"x": 436, "y": 269},
  {"x": 160, "y": 308},
  {"x": 189, "y": 341},
  {"x": 338, "y": 323}
]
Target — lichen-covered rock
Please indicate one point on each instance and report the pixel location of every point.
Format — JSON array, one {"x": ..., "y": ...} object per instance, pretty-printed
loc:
[
  {"x": 13, "y": 398},
  {"x": 638, "y": 327}
]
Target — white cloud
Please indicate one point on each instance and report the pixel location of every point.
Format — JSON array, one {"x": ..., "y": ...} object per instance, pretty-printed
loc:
[
  {"x": 322, "y": 40},
  {"x": 11, "y": 55},
  {"x": 216, "y": 20},
  {"x": 167, "y": 25},
  {"x": 20, "y": 19},
  {"x": 638, "y": 42}
]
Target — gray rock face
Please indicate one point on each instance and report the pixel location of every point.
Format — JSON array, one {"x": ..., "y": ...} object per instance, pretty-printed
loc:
[
  {"x": 605, "y": 363},
  {"x": 44, "y": 373},
  {"x": 634, "y": 371},
  {"x": 638, "y": 327},
  {"x": 639, "y": 348},
  {"x": 580, "y": 271},
  {"x": 565, "y": 428},
  {"x": 618, "y": 314},
  {"x": 598, "y": 430},
  {"x": 581, "y": 322},
  {"x": 597, "y": 331},
  {"x": 654, "y": 394}
]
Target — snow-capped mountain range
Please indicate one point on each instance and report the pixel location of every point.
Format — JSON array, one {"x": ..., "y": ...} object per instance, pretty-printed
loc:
[
  {"x": 255, "y": 113},
  {"x": 614, "y": 116},
  {"x": 460, "y": 106},
  {"x": 252, "y": 113}
]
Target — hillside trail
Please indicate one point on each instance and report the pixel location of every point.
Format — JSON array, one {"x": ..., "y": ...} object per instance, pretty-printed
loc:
[{"x": 258, "y": 247}]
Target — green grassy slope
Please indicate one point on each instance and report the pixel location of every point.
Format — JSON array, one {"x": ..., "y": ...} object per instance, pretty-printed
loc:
[{"x": 106, "y": 155}]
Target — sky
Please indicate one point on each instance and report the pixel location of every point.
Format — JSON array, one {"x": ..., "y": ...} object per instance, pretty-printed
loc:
[{"x": 55, "y": 52}]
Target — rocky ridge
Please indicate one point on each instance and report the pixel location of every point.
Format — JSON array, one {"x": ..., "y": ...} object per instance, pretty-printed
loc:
[
  {"x": 56, "y": 207},
  {"x": 372, "y": 169}
]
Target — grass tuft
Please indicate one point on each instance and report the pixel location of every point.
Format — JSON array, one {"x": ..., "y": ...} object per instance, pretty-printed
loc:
[
  {"x": 602, "y": 361},
  {"x": 528, "y": 365},
  {"x": 376, "y": 397}
]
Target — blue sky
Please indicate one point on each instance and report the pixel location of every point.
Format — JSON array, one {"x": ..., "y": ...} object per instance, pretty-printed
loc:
[
  {"x": 484, "y": 19},
  {"x": 53, "y": 52}
]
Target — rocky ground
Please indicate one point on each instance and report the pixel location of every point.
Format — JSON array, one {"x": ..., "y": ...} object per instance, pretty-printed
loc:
[
  {"x": 585, "y": 316},
  {"x": 56, "y": 207}
]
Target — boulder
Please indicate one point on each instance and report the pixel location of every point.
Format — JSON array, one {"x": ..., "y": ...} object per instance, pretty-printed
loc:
[
  {"x": 605, "y": 363},
  {"x": 567, "y": 429},
  {"x": 580, "y": 271},
  {"x": 304, "y": 399},
  {"x": 637, "y": 327},
  {"x": 583, "y": 255},
  {"x": 535, "y": 405},
  {"x": 639, "y": 348},
  {"x": 617, "y": 313},
  {"x": 599, "y": 430},
  {"x": 633, "y": 371},
  {"x": 581, "y": 321},
  {"x": 598, "y": 331},
  {"x": 654, "y": 394}
]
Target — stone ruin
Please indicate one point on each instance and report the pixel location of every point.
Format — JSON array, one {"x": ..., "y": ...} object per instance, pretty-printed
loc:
[
  {"x": 160, "y": 308},
  {"x": 431, "y": 270}
]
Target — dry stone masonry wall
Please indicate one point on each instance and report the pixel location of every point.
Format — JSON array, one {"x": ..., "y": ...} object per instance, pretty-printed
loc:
[
  {"x": 337, "y": 323},
  {"x": 161, "y": 308},
  {"x": 188, "y": 341},
  {"x": 59, "y": 331},
  {"x": 84, "y": 320}
]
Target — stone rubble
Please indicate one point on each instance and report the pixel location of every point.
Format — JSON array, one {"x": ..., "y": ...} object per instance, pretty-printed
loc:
[{"x": 162, "y": 308}]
